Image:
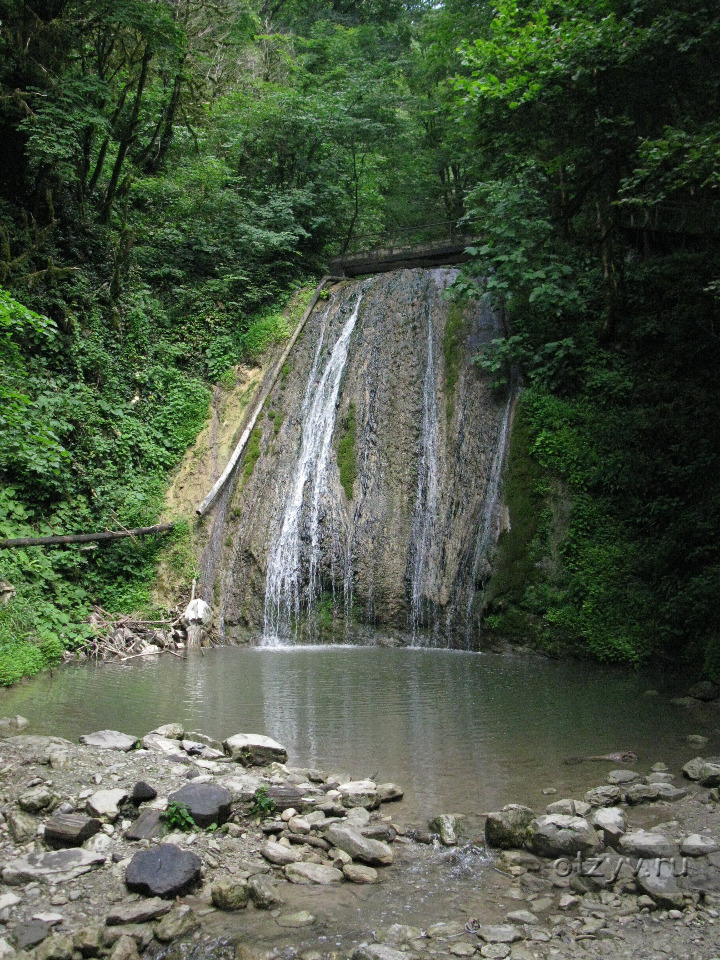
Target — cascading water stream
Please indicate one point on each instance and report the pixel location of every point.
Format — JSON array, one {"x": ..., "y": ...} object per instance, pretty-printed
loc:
[
  {"x": 287, "y": 566},
  {"x": 426, "y": 504}
]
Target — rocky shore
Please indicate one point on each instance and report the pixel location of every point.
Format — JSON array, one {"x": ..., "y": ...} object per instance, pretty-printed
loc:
[{"x": 178, "y": 846}]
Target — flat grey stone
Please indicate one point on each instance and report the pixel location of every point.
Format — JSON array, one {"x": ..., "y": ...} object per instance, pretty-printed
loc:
[
  {"x": 254, "y": 750},
  {"x": 163, "y": 871},
  {"x": 698, "y": 846},
  {"x": 499, "y": 933},
  {"x": 207, "y": 803},
  {"x": 140, "y": 911},
  {"x": 603, "y": 796},
  {"x": 652, "y": 792},
  {"x": 373, "y": 852},
  {"x": 30, "y": 933},
  {"x": 58, "y": 867},
  {"x": 281, "y": 855},
  {"x": 377, "y": 951},
  {"x": 70, "y": 830},
  {"x": 656, "y": 879},
  {"x": 264, "y": 893},
  {"x": 294, "y": 921},
  {"x": 622, "y": 776},
  {"x": 106, "y": 803},
  {"x": 387, "y": 792},
  {"x": 109, "y": 740},
  {"x": 306, "y": 873},
  {"x": 357, "y": 873},
  {"x": 147, "y": 826},
  {"x": 644, "y": 843}
]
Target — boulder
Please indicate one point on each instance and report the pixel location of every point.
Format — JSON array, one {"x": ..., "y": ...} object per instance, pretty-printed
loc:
[
  {"x": 704, "y": 690},
  {"x": 645, "y": 844},
  {"x": 29, "y": 933},
  {"x": 373, "y": 852},
  {"x": 359, "y": 793},
  {"x": 142, "y": 792},
  {"x": 230, "y": 894},
  {"x": 611, "y": 821},
  {"x": 170, "y": 731},
  {"x": 507, "y": 828},
  {"x": 264, "y": 893},
  {"x": 207, "y": 803},
  {"x": 499, "y": 933},
  {"x": 109, "y": 740},
  {"x": 698, "y": 846},
  {"x": 446, "y": 827},
  {"x": 147, "y": 826},
  {"x": 87, "y": 940},
  {"x": 22, "y": 826},
  {"x": 179, "y": 922},
  {"x": 156, "y": 743},
  {"x": 306, "y": 873},
  {"x": 652, "y": 792},
  {"x": 59, "y": 946},
  {"x": 70, "y": 830},
  {"x": 139, "y": 911},
  {"x": 622, "y": 776},
  {"x": 357, "y": 873},
  {"x": 163, "y": 871},
  {"x": 254, "y": 750},
  {"x": 125, "y": 948},
  {"x": 38, "y": 799},
  {"x": 657, "y": 880},
  {"x": 10, "y": 726},
  {"x": 558, "y": 835},
  {"x": 709, "y": 775},
  {"x": 281, "y": 855},
  {"x": 106, "y": 804},
  {"x": 603, "y": 796},
  {"x": 204, "y": 739},
  {"x": 387, "y": 792},
  {"x": 692, "y": 768},
  {"x": 60, "y": 866}
]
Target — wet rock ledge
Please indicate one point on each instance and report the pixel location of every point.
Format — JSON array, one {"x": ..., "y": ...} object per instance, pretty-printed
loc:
[{"x": 101, "y": 839}]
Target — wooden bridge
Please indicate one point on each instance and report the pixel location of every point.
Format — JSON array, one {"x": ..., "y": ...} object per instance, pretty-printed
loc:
[{"x": 439, "y": 254}]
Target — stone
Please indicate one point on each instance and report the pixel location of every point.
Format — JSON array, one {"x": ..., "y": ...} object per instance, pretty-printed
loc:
[
  {"x": 109, "y": 740},
  {"x": 57, "y": 947},
  {"x": 179, "y": 922},
  {"x": 704, "y": 690},
  {"x": 709, "y": 775},
  {"x": 499, "y": 933},
  {"x": 386, "y": 792},
  {"x": 646, "y": 844},
  {"x": 357, "y": 873},
  {"x": 141, "y": 933},
  {"x": 566, "y": 807},
  {"x": 60, "y": 866},
  {"x": 557, "y": 835},
  {"x": 294, "y": 921},
  {"x": 230, "y": 894},
  {"x": 697, "y": 739},
  {"x": 6, "y": 951},
  {"x": 163, "y": 871},
  {"x": 147, "y": 826},
  {"x": 446, "y": 827},
  {"x": 603, "y": 796},
  {"x": 142, "y": 792},
  {"x": 462, "y": 949},
  {"x": 264, "y": 893},
  {"x": 660, "y": 778},
  {"x": 359, "y": 793},
  {"x": 622, "y": 776},
  {"x": 522, "y": 916},
  {"x": 495, "y": 951},
  {"x": 22, "y": 826},
  {"x": 657, "y": 880},
  {"x": 87, "y": 940},
  {"x": 399, "y": 933},
  {"x": 698, "y": 846},
  {"x": 254, "y": 750},
  {"x": 279, "y": 854},
  {"x": 8, "y": 900},
  {"x": 307, "y": 873},
  {"x": 507, "y": 828},
  {"x": 298, "y": 825},
  {"x": 611, "y": 821},
  {"x": 10, "y": 726},
  {"x": 207, "y": 803},
  {"x": 357, "y": 817},
  {"x": 124, "y": 949},
  {"x": 373, "y": 852},
  {"x": 652, "y": 792},
  {"x": 692, "y": 768},
  {"x": 170, "y": 731},
  {"x": 30, "y": 933},
  {"x": 70, "y": 830},
  {"x": 379, "y": 831},
  {"x": 106, "y": 804},
  {"x": 156, "y": 743},
  {"x": 139, "y": 911},
  {"x": 38, "y": 799}
]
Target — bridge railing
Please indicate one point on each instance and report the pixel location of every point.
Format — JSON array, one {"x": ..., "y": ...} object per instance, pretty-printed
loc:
[{"x": 401, "y": 236}]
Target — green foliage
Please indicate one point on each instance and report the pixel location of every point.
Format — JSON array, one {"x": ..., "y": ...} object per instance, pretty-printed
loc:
[
  {"x": 269, "y": 329},
  {"x": 347, "y": 452},
  {"x": 26, "y": 645},
  {"x": 178, "y": 817},
  {"x": 252, "y": 453},
  {"x": 263, "y": 805}
]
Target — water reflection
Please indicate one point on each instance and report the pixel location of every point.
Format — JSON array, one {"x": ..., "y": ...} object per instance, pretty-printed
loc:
[{"x": 459, "y": 731}]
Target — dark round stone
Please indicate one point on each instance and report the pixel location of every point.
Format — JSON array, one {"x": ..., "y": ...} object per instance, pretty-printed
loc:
[
  {"x": 164, "y": 871},
  {"x": 207, "y": 803},
  {"x": 142, "y": 792}
]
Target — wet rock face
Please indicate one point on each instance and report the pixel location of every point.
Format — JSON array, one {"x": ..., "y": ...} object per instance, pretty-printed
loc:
[{"x": 402, "y": 551}]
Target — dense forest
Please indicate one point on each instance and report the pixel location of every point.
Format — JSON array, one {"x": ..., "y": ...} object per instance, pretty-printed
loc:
[{"x": 172, "y": 170}]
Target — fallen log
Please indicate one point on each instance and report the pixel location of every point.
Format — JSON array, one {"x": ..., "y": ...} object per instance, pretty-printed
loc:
[{"x": 86, "y": 537}]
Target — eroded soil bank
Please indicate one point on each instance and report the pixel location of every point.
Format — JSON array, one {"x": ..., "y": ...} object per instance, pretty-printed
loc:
[{"x": 345, "y": 875}]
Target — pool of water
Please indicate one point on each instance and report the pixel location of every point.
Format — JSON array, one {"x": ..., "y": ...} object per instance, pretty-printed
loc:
[{"x": 459, "y": 731}]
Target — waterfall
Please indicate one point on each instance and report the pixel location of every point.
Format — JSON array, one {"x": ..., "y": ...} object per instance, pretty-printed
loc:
[
  {"x": 426, "y": 504},
  {"x": 290, "y": 562}
]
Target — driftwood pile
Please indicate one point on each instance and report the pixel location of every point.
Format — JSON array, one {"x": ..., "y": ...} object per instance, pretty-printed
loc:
[{"x": 121, "y": 638}]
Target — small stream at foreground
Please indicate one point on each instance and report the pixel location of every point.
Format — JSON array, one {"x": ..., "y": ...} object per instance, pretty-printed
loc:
[{"x": 459, "y": 731}]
